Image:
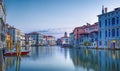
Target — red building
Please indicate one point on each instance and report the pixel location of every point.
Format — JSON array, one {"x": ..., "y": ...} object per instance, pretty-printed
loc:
[{"x": 84, "y": 30}]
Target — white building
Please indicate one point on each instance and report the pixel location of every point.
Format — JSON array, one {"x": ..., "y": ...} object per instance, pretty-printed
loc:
[
  {"x": 37, "y": 37},
  {"x": 65, "y": 39},
  {"x": 50, "y": 40},
  {"x": 29, "y": 40},
  {"x": 22, "y": 38}
]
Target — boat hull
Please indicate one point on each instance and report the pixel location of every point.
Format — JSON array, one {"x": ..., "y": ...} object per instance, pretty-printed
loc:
[{"x": 15, "y": 54}]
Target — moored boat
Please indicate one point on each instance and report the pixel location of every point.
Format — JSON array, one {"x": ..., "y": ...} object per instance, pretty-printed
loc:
[{"x": 14, "y": 53}]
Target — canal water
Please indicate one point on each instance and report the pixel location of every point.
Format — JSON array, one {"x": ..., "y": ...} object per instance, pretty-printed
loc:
[{"x": 55, "y": 58}]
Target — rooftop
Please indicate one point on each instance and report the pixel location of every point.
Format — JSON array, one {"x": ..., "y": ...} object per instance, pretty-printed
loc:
[
  {"x": 34, "y": 33},
  {"x": 115, "y": 10}
]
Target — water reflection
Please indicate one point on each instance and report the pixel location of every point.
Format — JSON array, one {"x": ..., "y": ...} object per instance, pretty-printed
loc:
[
  {"x": 42, "y": 52},
  {"x": 97, "y": 60},
  {"x": 13, "y": 63},
  {"x": 63, "y": 59},
  {"x": 2, "y": 68},
  {"x": 18, "y": 63}
]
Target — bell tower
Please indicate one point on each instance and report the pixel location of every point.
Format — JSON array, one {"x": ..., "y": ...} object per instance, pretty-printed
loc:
[{"x": 65, "y": 35}]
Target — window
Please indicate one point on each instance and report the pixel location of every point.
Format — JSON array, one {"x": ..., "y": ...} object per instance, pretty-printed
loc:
[
  {"x": 105, "y": 22},
  {"x": 100, "y": 24},
  {"x": 100, "y": 34},
  {"x": 117, "y": 20},
  {"x": 105, "y": 43},
  {"x": 109, "y": 33},
  {"x": 113, "y": 21},
  {"x": 100, "y": 43},
  {"x": 117, "y": 31},
  {"x": 109, "y": 21},
  {"x": 106, "y": 33},
  {"x": 116, "y": 12},
  {"x": 77, "y": 30},
  {"x": 113, "y": 32}
]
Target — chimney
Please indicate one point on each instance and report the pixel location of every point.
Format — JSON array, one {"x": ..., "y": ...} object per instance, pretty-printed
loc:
[
  {"x": 88, "y": 24},
  {"x": 106, "y": 10}
]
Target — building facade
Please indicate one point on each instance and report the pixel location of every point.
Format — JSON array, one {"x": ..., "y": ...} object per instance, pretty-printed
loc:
[
  {"x": 28, "y": 40},
  {"x": 71, "y": 39},
  {"x": 22, "y": 38},
  {"x": 109, "y": 29},
  {"x": 37, "y": 38},
  {"x": 2, "y": 24},
  {"x": 40, "y": 39},
  {"x": 59, "y": 42},
  {"x": 65, "y": 39},
  {"x": 50, "y": 40},
  {"x": 16, "y": 35},
  {"x": 77, "y": 31},
  {"x": 86, "y": 35},
  {"x": 89, "y": 36}
]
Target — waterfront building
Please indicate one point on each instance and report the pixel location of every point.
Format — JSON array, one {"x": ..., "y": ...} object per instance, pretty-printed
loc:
[
  {"x": 71, "y": 39},
  {"x": 16, "y": 35},
  {"x": 44, "y": 42},
  {"x": 65, "y": 39},
  {"x": 2, "y": 24},
  {"x": 50, "y": 40},
  {"x": 22, "y": 38},
  {"x": 86, "y": 35},
  {"x": 76, "y": 33},
  {"x": 8, "y": 42},
  {"x": 11, "y": 32},
  {"x": 40, "y": 39},
  {"x": 109, "y": 28},
  {"x": 37, "y": 37},
  {"x": 28, "y": 40},
  {"x": 89, "y": 35},
  {"x": 59, "y": 42}
]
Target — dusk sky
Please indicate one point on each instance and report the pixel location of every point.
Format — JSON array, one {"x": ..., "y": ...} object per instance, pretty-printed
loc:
[{"x": 34, "y": 15}]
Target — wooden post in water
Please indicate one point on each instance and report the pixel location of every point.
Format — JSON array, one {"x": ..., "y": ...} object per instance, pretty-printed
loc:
[
  {"x": 18, "y": 48},
  {"x": 11, "y": 45}
]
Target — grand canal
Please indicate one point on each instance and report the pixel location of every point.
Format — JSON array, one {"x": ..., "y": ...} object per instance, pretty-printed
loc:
[{"x": 54, "y": 58}]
